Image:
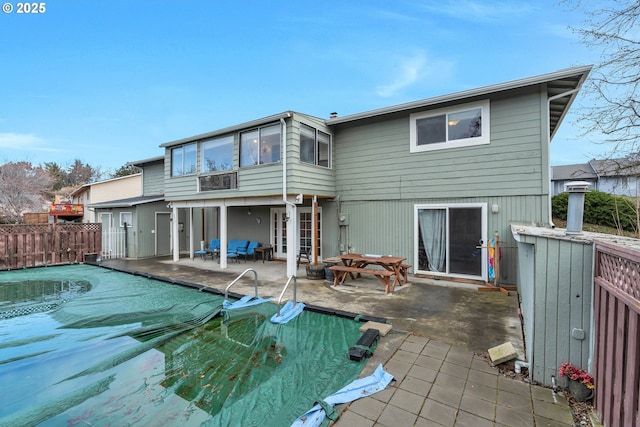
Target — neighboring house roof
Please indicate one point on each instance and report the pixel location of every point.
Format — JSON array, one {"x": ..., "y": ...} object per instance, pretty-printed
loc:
[
  {"x": 126, "y": 203},
  {"x": 578, "y": 172},
  {"x": 78, "y": 191},
  {"x": 560, "y": 82},
  {"x": 616, "y": 167}
]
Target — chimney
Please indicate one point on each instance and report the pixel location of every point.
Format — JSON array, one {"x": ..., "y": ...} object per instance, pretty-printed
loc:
[
  {"x": 575, "y": 210},
  {"x": 333, "y": 115}
]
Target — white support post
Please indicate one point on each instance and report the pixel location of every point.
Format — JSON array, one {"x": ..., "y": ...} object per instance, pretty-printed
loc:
[
  {"x": 223, "y": 236},
  {"x": 292, "y": 239},
  {"x": 176, "y": 234},
  {"x": 191, "y": 243}
]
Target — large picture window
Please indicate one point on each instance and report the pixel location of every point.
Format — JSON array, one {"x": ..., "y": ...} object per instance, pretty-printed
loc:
[
  {"x": 462, "y": 126},
  {"x": 315, "y": 146},
  {"x": 260, "y": 146},
  {"x": 217, "y": 154},
  {"x": 183, "y": 160}
]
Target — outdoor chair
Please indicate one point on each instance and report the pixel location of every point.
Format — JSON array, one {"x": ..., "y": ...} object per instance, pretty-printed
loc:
[
  {"x": 248, "y": 251},
  {"x": 304, "y": 253},
  {"x": 234, "y": 247},
  {"x": 213, "y": 249}
]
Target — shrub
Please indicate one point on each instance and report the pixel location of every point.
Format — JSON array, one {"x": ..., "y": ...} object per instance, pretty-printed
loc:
[{"x": 600, "y": 208}]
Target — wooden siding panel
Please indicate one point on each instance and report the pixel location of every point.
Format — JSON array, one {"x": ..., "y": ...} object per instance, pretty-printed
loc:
[
  {"x": 153, "y": 179},
  {"x": 551, "y": 311},
  {"x": 561, "y": 302},
  {"x": 376, "y": 155},
  {"x": 367, "y": 217},
  {"x": 262, "y": 180}
]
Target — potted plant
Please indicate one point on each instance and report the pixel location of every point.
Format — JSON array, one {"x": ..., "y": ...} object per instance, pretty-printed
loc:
[{"x": 580, "y": 381}]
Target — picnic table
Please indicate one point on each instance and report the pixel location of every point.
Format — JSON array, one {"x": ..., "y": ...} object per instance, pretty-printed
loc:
[{"x": 384, "y": 266}]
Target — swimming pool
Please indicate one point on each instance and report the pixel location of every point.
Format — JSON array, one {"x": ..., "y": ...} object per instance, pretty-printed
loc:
[{"x": 128, "y": 350}]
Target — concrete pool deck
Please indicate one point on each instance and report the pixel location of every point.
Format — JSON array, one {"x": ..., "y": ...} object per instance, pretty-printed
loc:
[{"x": 441, "y": 332}]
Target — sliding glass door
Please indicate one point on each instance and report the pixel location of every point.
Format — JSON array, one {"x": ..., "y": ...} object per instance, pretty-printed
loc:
[{"x": 449, "y": 240}]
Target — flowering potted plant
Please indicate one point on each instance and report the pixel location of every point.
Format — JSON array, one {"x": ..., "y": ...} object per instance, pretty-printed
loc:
[{"x": 580, "y": 381}]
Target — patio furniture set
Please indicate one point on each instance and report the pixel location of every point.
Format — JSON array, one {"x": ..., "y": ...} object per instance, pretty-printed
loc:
[
  {"x": 236, "y": 249},
  {"x": 382, "y": 267}
]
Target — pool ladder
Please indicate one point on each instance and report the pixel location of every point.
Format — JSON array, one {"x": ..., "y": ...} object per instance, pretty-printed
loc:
[
  {"x": 295, "y": 285},
  {"x": 255, "y": 285},
  {"x": 255, "y": 282}
]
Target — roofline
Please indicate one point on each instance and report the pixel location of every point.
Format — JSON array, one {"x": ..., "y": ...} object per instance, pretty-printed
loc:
[
  {"x": 144, "y": 161},
  {"x": 125, "y": 203},
  {"x": 457, "y": 96},
  {"x": 229, "y": 129}
]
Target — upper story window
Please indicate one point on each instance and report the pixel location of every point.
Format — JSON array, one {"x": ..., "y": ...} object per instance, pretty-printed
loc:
[
  {"x": 460, "y": 126},
  {"x": 260, "y": 146},
  {"x": 183, "y": 160},
  {"x": 217, "y": 154},
  {"x": 315, "y": 146}
]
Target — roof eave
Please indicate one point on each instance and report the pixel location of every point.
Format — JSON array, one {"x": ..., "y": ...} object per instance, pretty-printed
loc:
[
  {"x": 234, "y": 128},
  {"x": 145, "y": 161},
  {"x": 471, "y": 93},
  {"x": 124, "y": 203}
]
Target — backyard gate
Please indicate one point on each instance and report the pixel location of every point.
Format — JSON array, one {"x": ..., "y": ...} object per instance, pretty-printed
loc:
[
  {"x": 617, "y": 347},
  {"x": 30, "y": 245},
  {"x": 114, "y": 243}
]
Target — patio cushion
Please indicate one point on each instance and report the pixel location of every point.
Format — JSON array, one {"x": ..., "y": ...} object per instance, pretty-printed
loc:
[
  {"x": 235, "y": 246},
  {"x": 249, "y": 250}
]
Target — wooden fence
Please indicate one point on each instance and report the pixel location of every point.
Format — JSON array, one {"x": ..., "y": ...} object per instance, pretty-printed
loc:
[
  {"x": 29, "y": 245},
  {"x": 617, "y": 347}
]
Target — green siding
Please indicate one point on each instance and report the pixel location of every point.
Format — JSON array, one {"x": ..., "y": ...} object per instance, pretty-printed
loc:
[
  {"x": 261, "y": 180},
  {"x": 386, "y": 226},
  {"x": 373, "y": 161},
  {"x": 153, "y": 179},
  {"x": 555, "y": 300},
  {"x": 146, "y": 227}
]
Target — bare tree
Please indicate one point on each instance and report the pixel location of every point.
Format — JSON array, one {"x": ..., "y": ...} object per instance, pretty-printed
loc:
[
  {"x": 614, "y": 84},
  {"x": 79, "y": 173},
  {"x": 23, "y": 188}
]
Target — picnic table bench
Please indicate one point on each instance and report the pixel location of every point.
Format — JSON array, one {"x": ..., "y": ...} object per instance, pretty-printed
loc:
[
  {"x": 384, "y": 267},
  {"x": 341, "y": 272}
]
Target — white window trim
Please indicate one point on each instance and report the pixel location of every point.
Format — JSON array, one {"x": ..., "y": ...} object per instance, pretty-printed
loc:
[
  {"x": 182, "y": 147},
  {"x": 316, "y": 146},
  {"x": 481, "y": 140},
  {"x": 484, "y": 233},
  {"x": 122, "y": 214}
]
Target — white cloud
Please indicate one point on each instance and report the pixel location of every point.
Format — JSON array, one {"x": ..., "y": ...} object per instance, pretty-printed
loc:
[
  {"x": 418, "y": 70},
  {"x": 409, "y": 72},
  {"x": 23, "y": 141},
  {"x": 482, "y": 11}
]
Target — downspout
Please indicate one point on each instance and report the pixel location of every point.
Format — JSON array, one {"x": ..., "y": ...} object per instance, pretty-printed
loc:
[
  {"x": 553, "y": 98},
  {"x": 291, "y": 267}
]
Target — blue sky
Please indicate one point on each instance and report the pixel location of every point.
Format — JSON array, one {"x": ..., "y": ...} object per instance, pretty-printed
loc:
[{"x": 107, "y": 82}]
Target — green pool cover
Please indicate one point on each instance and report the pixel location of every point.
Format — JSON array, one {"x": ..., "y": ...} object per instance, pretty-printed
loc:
[{"x": 83, "y": 345}]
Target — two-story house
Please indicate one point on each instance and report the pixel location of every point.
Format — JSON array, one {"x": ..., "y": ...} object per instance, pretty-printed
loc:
[{"x": 432, "y": 180}]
